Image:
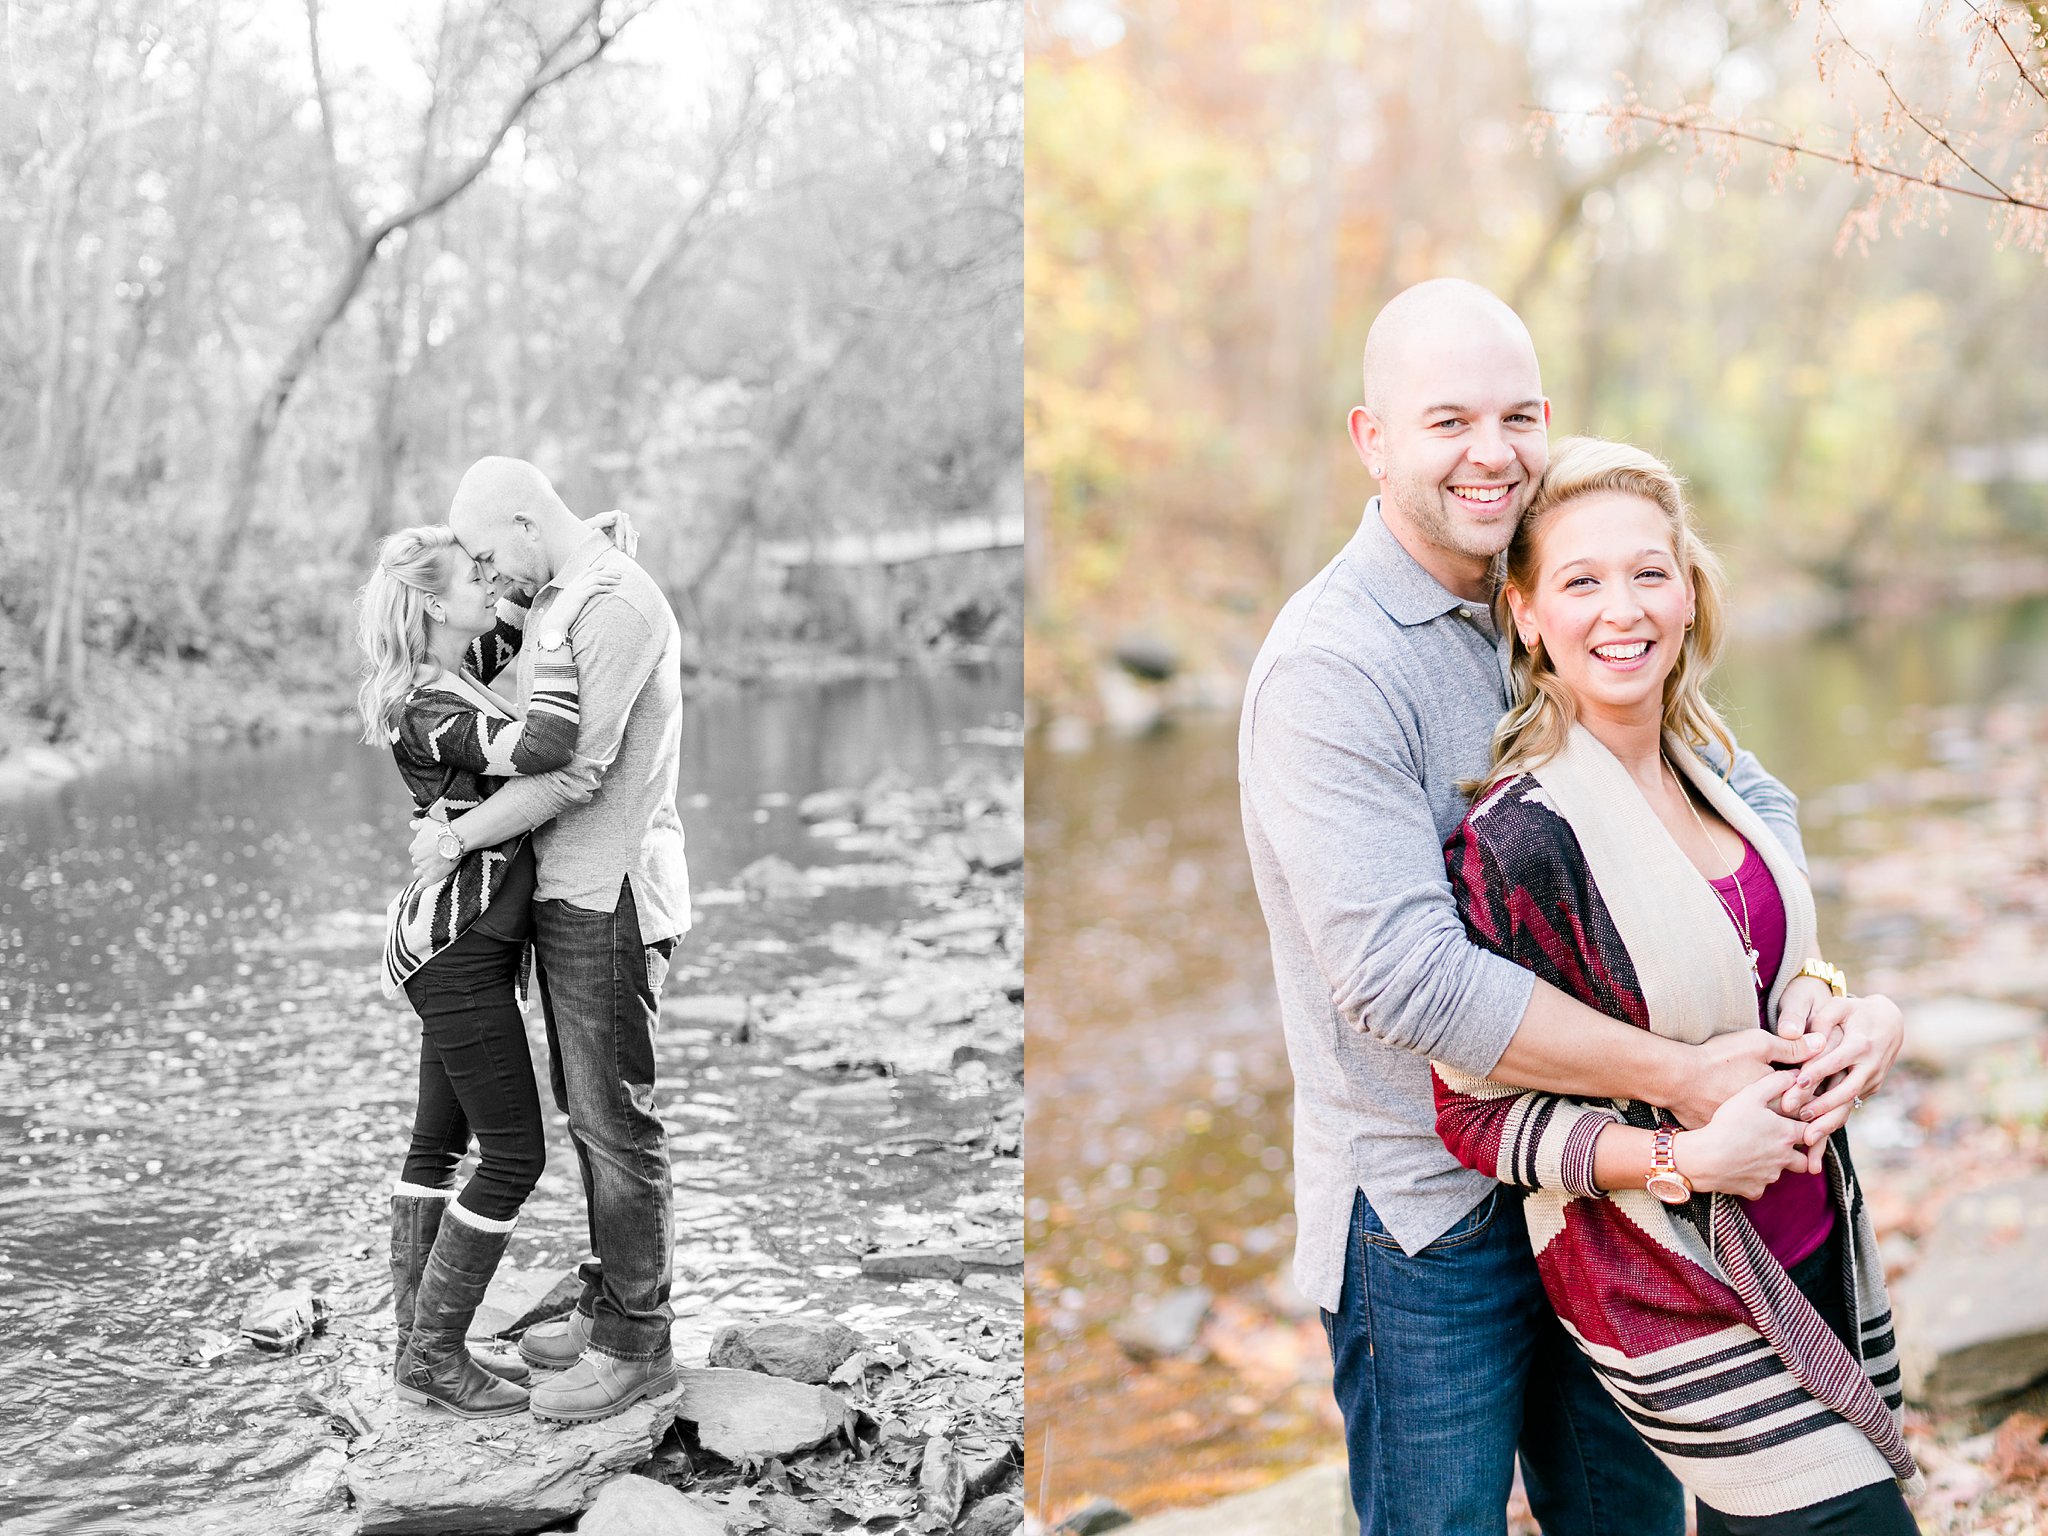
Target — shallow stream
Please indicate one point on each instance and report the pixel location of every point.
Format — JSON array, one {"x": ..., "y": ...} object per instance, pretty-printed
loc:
[
  {"x": 1158, "y": 1113},
  {"x": 204, "y": 1096}
]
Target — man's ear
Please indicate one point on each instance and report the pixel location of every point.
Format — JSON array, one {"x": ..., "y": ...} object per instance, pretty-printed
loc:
[{"x": 1365, "y": 438}]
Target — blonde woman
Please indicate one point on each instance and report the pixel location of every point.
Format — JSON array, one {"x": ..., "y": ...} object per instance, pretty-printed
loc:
[
  {"x": 1724, "y": 1282},
  {"x": 435, "y": 633}
]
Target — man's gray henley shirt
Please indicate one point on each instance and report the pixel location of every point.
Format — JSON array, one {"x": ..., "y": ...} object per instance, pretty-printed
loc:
[{"x": 1375, "y": 694}]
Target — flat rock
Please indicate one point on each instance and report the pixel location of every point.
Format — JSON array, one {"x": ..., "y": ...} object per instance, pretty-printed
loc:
[
  {"x": 1148, "y": 655},
  {"x": 519, "y": 1298},
  {"x": 1169, "y": 1326},
  {"x": 709, "y": 1009},
  {"x": 744, "y": 1416},
  {"x": 996, "y": 850},
  {"x": 1095, "y": 1516},
  {"x": 437, "y": 1475},
  {"x": 771, "y": 878},
  {"x": 1949, "y": 1031},
  {"x": 807, "y": 1349},
  {"x": 1312, "y": 1503},
  {"x": 829, "y": 805},
  {"x": 940, "y": 1261},
  {"x": 639, "y": 1506},
  {"x": 995, "y": 1516},
  {"x": 1973, "y": 1313},
  {"x": 951, "y": 924}
]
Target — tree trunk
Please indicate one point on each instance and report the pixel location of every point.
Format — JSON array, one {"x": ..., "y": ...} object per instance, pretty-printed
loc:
[
  {"x": 261, "y": 423},
  {"x": 386, "y": 444},
  {"x": 268, "y": 408},
  {"x": 1308, "y": 512}
]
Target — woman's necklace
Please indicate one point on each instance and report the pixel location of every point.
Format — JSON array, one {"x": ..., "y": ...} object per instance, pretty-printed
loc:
[{"x": 1742, "y": 923}]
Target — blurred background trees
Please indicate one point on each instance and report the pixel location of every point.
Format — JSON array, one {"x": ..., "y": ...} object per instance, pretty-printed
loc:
[
  {"x": 1845, "y": 362},
  {"x": 277, "y": 271}
]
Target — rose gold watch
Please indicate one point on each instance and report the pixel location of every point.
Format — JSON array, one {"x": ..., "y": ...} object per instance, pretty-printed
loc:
[{"x": 1664, "y": 1180}]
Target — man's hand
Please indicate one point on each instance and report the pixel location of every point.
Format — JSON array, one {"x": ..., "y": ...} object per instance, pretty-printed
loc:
[
  {"x": 618, "y": 527},
  {"x": 1747, "y": 1144},
  {"x": 1863, "y": 1036},
  {"x": 1722, "y": 1067},
  {"x": 427, "y": 863},
  {"x": 1804, "y": 997}
]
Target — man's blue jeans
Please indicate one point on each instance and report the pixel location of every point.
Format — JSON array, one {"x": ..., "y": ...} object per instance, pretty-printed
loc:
[
  {"x": 1450, "y": 1361},
  {"x": 600, "y": 991}
]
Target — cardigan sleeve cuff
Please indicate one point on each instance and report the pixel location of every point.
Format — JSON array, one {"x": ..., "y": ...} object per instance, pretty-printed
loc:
[{"x": 1575, "y": 1155}]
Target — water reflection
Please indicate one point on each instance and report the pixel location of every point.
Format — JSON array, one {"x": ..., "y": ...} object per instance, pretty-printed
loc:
[
  {"x": 203, "y": 1094},
  {"x": 1159, "y": 1092}
]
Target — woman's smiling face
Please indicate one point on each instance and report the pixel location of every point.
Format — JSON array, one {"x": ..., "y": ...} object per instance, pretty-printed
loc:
[{"x": 1609, "y": 604}]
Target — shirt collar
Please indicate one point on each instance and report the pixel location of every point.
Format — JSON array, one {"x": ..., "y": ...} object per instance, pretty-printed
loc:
[
  {"x": 581, "y": 558},
  {"x": 1408, "y": 593}
]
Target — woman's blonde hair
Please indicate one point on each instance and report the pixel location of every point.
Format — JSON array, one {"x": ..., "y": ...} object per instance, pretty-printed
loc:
[
  {"x": 1542, "y": 713},
  {"x": 413, "y": 565}
]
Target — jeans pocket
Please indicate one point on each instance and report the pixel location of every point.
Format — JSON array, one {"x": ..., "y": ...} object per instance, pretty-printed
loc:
[{"x": 1472, "y": 1224}]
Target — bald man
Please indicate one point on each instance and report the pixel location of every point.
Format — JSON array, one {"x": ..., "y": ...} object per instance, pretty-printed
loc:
[
  {"x": 1376, "y": 694},
  {"x": 612, "y": 899}
]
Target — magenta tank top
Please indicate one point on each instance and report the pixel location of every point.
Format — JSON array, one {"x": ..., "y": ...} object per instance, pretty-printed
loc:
[{"x": 1795, "y": 1215}]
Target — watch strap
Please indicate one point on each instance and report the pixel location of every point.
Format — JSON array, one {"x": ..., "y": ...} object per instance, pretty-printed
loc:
[{"x": 1820, "y": 970}]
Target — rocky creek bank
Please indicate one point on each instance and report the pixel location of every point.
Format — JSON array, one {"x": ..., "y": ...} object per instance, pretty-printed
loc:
[
  {"x": 844, "y": 1359},
  {"x": 1935, "y": 886}
]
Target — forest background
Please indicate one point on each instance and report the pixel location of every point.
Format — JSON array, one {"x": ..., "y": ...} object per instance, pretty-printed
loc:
[
  {"x": 1799, "y": 248},
  {"x": 276, "y": 272},
  {"x": 1845, "y": 364}
]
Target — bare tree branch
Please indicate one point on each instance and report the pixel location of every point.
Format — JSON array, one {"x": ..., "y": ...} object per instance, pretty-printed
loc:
[
  {"x": 557, "y": 61},
  {"x": 1700, "y": 127},
  {"x": 1905, "y": 107},
  {"x": 1995, "y": 26},
  {"x": 344, "y": 204}
]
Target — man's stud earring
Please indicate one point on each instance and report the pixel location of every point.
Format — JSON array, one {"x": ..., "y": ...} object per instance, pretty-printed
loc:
[{"x": 1379, "y": 471}]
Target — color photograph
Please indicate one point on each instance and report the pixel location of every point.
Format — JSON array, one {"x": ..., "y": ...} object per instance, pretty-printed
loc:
[{"x": 1535, "y": 717}]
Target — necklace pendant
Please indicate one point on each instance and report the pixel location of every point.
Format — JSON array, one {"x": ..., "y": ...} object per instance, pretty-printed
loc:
[{"x": 1756, "y": 969}]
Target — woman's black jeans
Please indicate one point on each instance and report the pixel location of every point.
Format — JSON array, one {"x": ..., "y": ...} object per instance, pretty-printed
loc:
[{"x": 476, "y": 1077}]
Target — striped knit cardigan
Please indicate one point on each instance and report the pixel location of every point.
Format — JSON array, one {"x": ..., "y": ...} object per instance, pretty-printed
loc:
[
  {"x": 1688, "y": 1320},
  {"x": 454, "y": 746}
]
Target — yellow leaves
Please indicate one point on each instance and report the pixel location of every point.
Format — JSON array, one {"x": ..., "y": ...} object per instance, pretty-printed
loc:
[{"x": 1135, "y": 232}]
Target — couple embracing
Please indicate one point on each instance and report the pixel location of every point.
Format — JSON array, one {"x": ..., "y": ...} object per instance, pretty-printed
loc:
[
  {"x": 525, "y": 675},
  {"x": 1571, "y": 1072}
]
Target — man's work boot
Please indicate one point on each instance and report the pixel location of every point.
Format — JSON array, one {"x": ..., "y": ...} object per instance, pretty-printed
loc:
[
  {"x": 436, "y": 1368},
  {"x": 556, "y": 1344},
  {"x": 599, "y": 1385},
  {"x": 416, "y": 1213}
]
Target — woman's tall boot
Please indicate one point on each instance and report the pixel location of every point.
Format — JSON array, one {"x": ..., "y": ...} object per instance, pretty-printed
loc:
[
  {"x": 436, "y": 1368},
  {"x": 416, "y": 1213}
]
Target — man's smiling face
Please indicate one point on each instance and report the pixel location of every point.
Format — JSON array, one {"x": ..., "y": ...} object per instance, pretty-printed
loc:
[
  {"x": 1464, "y": 439},
  {"x": 1455, "y": 427}
]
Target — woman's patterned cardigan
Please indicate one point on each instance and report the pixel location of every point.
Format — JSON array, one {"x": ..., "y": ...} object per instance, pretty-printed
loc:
[
  {"x": 1695, "y": 1329},
  {"x": 452, "y": 753}
]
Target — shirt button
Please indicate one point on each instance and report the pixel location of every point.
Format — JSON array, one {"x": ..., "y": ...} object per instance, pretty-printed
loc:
[{"x": 1464, "y": 613}]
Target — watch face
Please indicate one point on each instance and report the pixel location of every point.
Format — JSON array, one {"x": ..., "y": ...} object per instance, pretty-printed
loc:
[{"x": 1669, "y": 1188}]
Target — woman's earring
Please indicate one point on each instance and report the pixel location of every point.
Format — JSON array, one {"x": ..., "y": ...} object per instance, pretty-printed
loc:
[{"x": 1688, "y": 620}]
